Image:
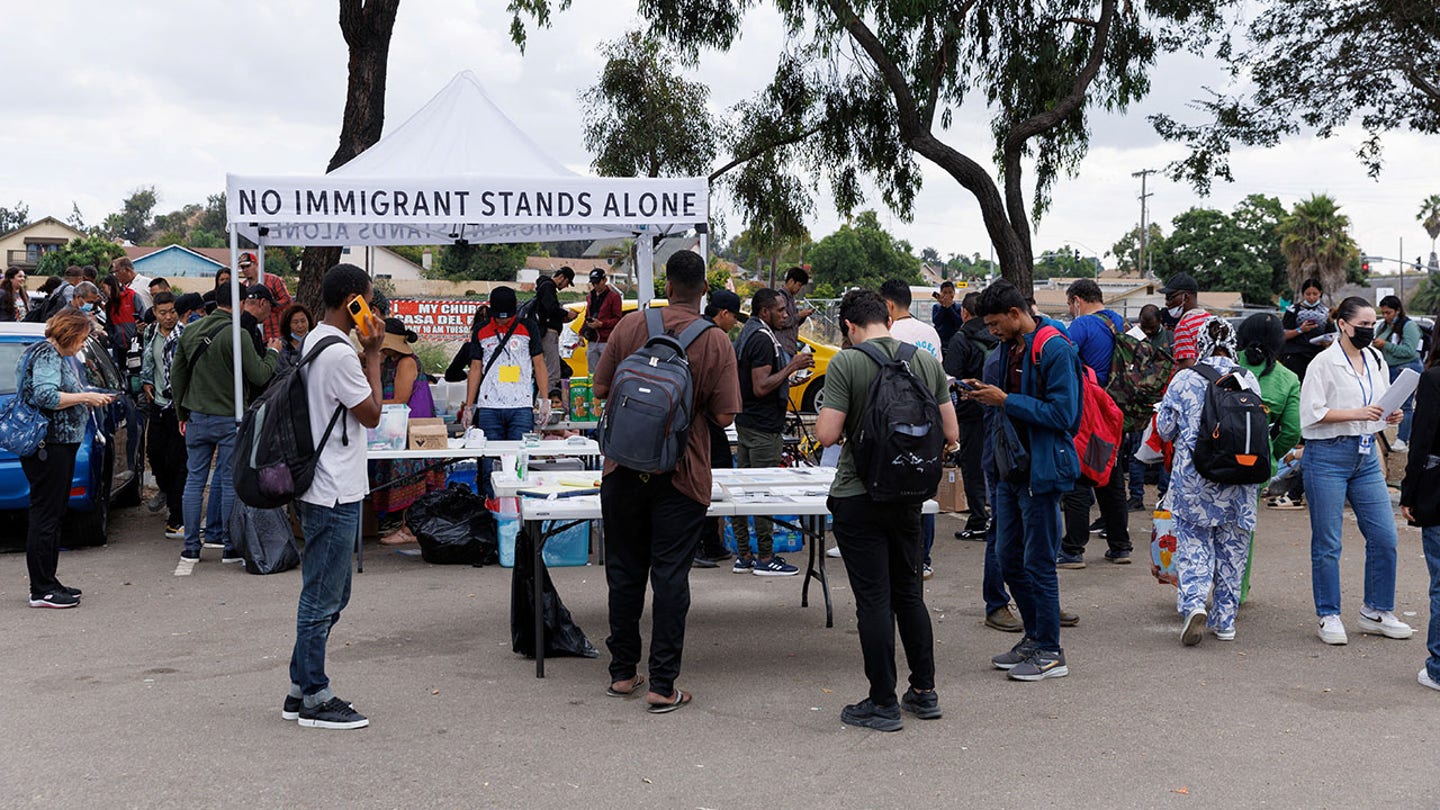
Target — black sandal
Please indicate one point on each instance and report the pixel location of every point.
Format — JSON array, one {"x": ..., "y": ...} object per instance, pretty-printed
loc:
[
  {"x": 681, "y": 698},
  {"x": 634, "y": 689}
]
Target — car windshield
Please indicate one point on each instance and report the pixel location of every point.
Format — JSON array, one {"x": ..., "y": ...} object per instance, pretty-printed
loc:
[
  {"x": 9, "y": 359},
  {"x": 99, "y": 369}
]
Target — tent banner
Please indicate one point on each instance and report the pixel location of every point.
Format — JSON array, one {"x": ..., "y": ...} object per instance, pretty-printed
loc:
[
  {"x": 456, "y": 201},
  {"x": 394, "y": 233},
  {"x": 444, "y": 319}
]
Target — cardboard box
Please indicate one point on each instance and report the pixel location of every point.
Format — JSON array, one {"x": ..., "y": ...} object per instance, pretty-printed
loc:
[
  {"x": 428, "y": 434},
  {"x": 951, "y": 494}
]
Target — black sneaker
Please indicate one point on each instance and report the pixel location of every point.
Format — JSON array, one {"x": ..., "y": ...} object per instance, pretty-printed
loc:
[
  {"x": 924, "y": 705},
  {"x": 703, "y": 562},
  {"x": 1118, "y": 557},
  {"x": 70, "y": 590},
  {"x": 333, "y": 713},
  {"x": 292, "y": 707},
  {"x": 57, "y": 599},
  {"x": 1040, "y": 665},
  {"x": 1016, "y": 656},
  {"x": 1135, "y": 506},
  {"x": 868, "y": 715}
]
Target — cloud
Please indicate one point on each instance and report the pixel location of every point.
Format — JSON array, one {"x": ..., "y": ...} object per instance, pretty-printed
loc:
[{"x": 176, "y": 94}]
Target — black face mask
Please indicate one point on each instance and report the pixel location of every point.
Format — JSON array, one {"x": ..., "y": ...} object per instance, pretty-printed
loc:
[{"x": 1364, "y": 336}]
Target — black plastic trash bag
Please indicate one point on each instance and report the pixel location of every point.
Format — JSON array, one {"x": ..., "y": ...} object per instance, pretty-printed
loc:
[
  {"x": 562, "y": 635},
  {"x": 265, "y": 537},
  {"x": 454, "y": 527}
]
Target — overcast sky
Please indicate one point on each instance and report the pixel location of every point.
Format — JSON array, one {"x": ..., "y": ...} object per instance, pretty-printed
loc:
[{"x": 107, "y": 97}]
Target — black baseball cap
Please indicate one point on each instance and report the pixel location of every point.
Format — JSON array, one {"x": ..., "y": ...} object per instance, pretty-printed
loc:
[
  {"x": 723, "y": 301},
  {"x": 259, "y": 292},
  {"x": 1180, "y": 282},
  {"x": 188, "y": 302},
  {"x": 502, "y": 302},
  {"x": 597, "y": 275}
]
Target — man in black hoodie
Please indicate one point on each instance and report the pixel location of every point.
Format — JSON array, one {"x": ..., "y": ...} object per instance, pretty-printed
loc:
[{"x": 965, "y": 360}]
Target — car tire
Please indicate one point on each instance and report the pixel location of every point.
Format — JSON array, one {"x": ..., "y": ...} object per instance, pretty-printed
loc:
[
  {"x": 813, "y": 398},
  {"x": 92, "y": 528}
]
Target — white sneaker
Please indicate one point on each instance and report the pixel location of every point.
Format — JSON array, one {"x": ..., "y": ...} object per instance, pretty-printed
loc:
[
  {"x": 1194, "y": 628},
  {"x": 1384, "y": 623},
  {"x": 1399, "y": 447},
  {"x": 1425, "y": 679},
  {"x": 833, "y": 552},
  {"x": 1225, "y": 635},
  {"x": 1332, "y": 630}
]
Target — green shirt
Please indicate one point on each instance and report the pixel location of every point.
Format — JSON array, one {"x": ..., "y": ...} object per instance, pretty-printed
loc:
[
  {"x": 209, "y": 386},
  {"x": 847, "y": 386},
  {"x": 1280, "y": 391}
]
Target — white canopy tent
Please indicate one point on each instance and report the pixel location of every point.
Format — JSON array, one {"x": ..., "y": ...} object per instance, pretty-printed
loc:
[{"x": 457, "y": 171}]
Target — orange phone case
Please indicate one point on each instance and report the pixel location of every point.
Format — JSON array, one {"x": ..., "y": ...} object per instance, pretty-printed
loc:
[{"x": 360, "y": 314}]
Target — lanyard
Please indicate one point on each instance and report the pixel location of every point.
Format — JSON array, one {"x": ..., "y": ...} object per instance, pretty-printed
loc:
[{"x": 1366, "y": 395}]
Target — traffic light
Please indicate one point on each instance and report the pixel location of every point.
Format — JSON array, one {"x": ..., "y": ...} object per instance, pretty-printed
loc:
[{"x": 1365, "y": 265}]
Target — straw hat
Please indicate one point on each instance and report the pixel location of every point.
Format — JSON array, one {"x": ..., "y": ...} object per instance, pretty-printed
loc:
[{"x": 397, "y": 337}]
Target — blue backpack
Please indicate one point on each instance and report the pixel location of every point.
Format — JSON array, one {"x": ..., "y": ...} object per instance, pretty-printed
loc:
[{"x": 22, "y": 425}]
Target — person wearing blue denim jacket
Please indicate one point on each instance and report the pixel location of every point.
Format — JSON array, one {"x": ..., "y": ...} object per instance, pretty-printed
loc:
[
  {"x": 1042, "y": 400},
  {"x": 52, "y": 384},
  {"x": 1339, "y": 417}
]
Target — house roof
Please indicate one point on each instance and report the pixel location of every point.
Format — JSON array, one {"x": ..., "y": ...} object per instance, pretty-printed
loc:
[
  {"x": 220, "y": 257},
  {"x": 549, "y": 264},
  {"x": 42, "y": 221}
]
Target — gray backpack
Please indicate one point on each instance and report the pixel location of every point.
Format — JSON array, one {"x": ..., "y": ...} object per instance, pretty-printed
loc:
[{"x": 648, "y": 412}]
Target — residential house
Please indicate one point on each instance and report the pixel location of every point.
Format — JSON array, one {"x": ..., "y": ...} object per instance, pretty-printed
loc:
[{"x": 24, "y": 246}]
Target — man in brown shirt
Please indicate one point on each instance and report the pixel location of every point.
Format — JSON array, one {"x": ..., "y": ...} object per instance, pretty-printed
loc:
[{"x": 653, "y": 521}]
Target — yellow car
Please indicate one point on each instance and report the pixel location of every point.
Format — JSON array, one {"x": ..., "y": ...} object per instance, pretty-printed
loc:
[{"x": 804, "y": 397}]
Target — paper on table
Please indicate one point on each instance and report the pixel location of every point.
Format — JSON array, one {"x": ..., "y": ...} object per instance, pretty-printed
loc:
[{"x": 1400, "y": 390}]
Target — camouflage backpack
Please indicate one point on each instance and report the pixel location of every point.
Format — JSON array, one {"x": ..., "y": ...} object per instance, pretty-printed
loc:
[{"x": 1139, "y": 372}]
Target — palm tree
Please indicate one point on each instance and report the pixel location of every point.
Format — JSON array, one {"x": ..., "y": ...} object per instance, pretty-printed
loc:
[
  {"x": 1429, "y": 217},
  {"x": 1315, "y": 238}
]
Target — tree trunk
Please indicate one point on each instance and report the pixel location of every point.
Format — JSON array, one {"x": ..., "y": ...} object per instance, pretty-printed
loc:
[{"x": 367, "y": 26}]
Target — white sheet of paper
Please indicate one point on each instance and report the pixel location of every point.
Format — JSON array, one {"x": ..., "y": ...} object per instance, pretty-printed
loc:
[{"x": 1400, "y": 390}]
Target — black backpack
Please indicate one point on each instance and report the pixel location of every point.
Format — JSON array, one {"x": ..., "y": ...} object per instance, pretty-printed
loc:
[
  {"x": 275, "y": 453},
  {"x": 51, "y": 305},
  {"x": 899, "y": 446},
  {"x": 1233, "y": 444},
  {"x": 649, "y": 410}
]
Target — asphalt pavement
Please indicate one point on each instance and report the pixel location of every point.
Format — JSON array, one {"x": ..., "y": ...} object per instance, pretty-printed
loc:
[{"x": 164, "y": 691}]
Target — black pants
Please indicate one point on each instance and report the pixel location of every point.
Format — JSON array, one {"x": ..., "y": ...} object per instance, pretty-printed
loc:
[
  {"x": 883, "y": 554},
  {"x": 49, "y": 472},
  {"x": 1111, "y": 497},
  {"x": 165, "y": 448},
  {"x": 651, "y": 531},
  {"x": 712, "y": 533},
  {"x": 972, "y": 438}
]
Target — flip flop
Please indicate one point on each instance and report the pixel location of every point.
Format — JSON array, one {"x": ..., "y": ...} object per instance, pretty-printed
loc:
[
  {"x": 681, "y": 698},
  {"x": 632, "y": 692}
]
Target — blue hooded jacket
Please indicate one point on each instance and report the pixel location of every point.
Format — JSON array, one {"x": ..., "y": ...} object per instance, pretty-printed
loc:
[{"x": 1047, "y": 409}]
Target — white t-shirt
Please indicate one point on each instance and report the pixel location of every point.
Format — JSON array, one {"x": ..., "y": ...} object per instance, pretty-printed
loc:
[
  {"x": 333, "y": 378},
  {"x": 917, "y": 333}
]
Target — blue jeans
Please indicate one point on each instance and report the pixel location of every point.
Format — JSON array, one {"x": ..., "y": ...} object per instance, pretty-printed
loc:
[
  {"x": 330, "y": 533},
  {"x": 1137, "y": 470},
  {"x": 1408, "y": 409},
  {"x": 501, "y": 424},
  {"x": 1027, "y": 539},
  {"x": 1430, "y": 540},
  {"x": 1334, "y": 471},
  {"x": 927, "y": 533},
  {"x": 208, "y": 436},
  {"x": 992, "y": 586}
]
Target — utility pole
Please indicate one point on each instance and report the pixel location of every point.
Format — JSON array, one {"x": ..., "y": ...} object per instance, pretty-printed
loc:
[{"x": 1143, "y": 174}]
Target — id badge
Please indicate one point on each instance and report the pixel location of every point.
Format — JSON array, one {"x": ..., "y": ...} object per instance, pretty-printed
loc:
[
  {"x": 509, "y": 374},
  {"x": 1366, "y": 442}
]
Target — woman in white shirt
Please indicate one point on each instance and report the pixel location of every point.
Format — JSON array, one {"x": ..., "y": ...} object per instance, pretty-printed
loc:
[{"x": 1339, "y": 417}]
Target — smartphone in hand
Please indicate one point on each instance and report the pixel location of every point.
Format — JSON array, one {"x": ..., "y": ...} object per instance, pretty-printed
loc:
[{"x": 360, "y": 313}]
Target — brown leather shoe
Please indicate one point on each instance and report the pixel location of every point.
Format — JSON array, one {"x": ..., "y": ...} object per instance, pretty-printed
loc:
[
  {"x": 1068, "y": 619},
  {"x": 1004, "y": 620}
]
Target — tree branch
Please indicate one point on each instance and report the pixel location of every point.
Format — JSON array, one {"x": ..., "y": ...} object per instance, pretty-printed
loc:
[
  {"x": 795, "y": 137},
  {"x": 1041, "y": 122},
  {"x": 1423, "y": 84}
]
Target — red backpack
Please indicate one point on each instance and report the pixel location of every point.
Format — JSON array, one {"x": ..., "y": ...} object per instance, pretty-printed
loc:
[{"x": 1097, "y": 440}]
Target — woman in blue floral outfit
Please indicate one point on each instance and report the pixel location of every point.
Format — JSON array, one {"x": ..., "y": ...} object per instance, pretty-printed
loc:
[{"x": 1212, "y": 521}]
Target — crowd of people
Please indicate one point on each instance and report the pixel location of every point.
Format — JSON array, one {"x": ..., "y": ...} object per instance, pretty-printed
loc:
[{"x": 1008, "y": 387}]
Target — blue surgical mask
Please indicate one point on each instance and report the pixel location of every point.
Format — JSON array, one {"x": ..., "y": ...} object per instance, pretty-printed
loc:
[{"x": 87, "y": 307}]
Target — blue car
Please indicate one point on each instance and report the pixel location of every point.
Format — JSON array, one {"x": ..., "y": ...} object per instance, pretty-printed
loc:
[{"x": 95, "y": 485}]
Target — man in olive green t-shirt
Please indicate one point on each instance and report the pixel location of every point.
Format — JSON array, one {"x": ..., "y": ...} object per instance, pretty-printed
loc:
[{"x": 881, "y": 542}]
